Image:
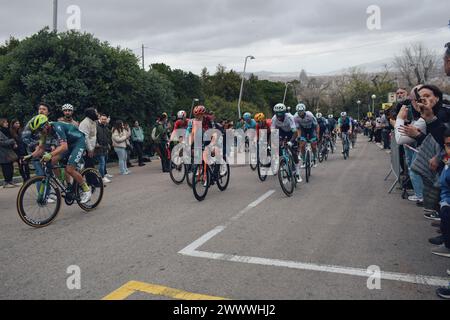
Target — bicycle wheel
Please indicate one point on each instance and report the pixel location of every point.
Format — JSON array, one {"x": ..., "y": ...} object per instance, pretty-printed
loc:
[
  {"x": 177, "y": 171},
  {"x": 321, "y": 153},
  {"x": 200, "y": 182},
  {"x": 261, "y": 171},
  {"x": 224, "y": 176},
  {"x": 189, "y": 171},
  {"x": 95, "y": 183},
  {"x": 307, "y": 165},
  {"x": 285, "y": 177},
  {"x": 32, "y": 202}
]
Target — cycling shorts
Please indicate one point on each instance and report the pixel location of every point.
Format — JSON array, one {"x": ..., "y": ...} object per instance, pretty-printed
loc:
[{"x": 308, "y": 135}]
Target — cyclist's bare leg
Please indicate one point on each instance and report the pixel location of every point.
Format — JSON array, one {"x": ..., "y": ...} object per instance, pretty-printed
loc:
[{"x": 72, "y": 171}]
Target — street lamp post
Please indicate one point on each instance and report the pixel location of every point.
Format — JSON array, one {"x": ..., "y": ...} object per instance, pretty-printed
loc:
[
  {"x": 359, "y": 103},
  {"x": 192, "y": 107},
  {"x": 373, "y": 103},
  {"x": 242, "y": 84},
  {"x": 55, "y": 15},
  {"x": 285, "y": 91}
]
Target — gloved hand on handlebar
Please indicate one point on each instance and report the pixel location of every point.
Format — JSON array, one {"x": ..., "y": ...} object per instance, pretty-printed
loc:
[
  {"x": 47, "y": 157},
  {"x": 290, "y": 144}
]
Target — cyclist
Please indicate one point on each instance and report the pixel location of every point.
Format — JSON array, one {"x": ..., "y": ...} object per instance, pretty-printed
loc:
[
  {"x": 181, "y": 123},
  {"x": 70, "y": 139},
  {"x": 345, "y": 127},
  {"x": 323, "y": 125},
  {"x": 249, "y": 123},
  {"x": 331, "y": 124},
  {"x": 308, "y": 131},
  {"x": 67, "y": 110},
  {"x": 263, "y": 124},
  {"x": 285, "y": 123}
]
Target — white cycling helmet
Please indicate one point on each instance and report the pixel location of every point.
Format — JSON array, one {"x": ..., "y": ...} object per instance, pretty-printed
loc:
[
  {"x": 343, "y": 114},
  {"x": 330, "y": 116},
  {"x": 280, "y": 108},
  {"x": 300, "y": 107},
  {"x": 318, "y": 115},
  {"x": 181, "y": 114},
  {"x": 66, "y": 107}
]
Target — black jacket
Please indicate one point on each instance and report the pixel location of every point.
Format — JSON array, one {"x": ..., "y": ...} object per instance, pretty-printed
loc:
[{"x": 104, "y": 141}]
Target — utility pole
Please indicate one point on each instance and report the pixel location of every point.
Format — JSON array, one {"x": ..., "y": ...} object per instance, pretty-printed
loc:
[
  {"x": 55, "y": 15},
  {"x": 143, "y": 64}
]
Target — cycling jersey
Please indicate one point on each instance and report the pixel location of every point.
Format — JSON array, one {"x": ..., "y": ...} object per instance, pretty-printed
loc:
[
  {"x": 308, "y": 122},
  {"x": 73, "y": 122},
  {"x": 250, "y": 125},
  {"x": 331, "y": 124},
  {"x": 288, "y": 125},
  {"x": 181, "y": 124},
  {"x": 323, "y": 125},
  {"x": 344, "y": 124},
  {"x": 265, "y": 125},
  {"x": 75, "y": 139}
]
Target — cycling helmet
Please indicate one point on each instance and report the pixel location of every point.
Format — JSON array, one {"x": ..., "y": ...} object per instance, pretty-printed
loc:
[
  {"x": 330, "y": 116},
  {"x": 260, "y": 117},
  {"x": 181, "y": 114},
  {"x": 280, "y": 108},
  {"x": 67, "y": 107},
  {"x": 343, "y": 114},
  {"x": 247, "y": 116},
  {"x": 38, "y": 122},
  {"x": 300, "y": 107},
  {"x": 199, "y": 110},
  {"x": 318, "y": 115}
]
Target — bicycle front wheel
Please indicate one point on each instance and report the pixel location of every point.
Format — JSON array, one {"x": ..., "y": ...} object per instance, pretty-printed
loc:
[
  {"x": 224, "y": 176},
  {"x": 38, "y": 202},
  {"x": 286, "y": 178},
  {"x": 307, "y": 166},
  {"x": 95, "y": 182},
  {"x": 177, "y": 171},
  {"x": 200, "y": 181}
]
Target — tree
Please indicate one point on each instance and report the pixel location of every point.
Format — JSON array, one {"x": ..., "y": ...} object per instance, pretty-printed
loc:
[
  {"x": 416, "y": 65},
  {"x": 76, "y": 68}
]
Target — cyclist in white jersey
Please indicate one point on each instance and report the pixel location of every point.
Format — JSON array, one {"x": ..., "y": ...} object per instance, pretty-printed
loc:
[
  {"x": 285, "y": 123},
  {"x": 308, "y": 130}
]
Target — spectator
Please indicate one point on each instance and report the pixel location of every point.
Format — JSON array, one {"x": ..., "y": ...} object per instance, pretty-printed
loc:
[
  {"x": 378, "y": 129},
  {"x": 67, "y": 111},
  {"x": 7, "y": 154},
  {"x": 119, "y": 140},
  {"x": 385, "y": 129},
  {"x": 160, "y": 137},
  {"x": 406, "y": 116},
  {"x": 103, "y": 146},
  {"x": 129, "y": 146},
  {"x": 21, "y": 150},
  {"x": 444, "y": 250},
  {"x": 436, "y": 116},
  {"x": 137, "y": 137},
  {"x": 31, "y": 140},
  {"x": 89, "y": 127}
]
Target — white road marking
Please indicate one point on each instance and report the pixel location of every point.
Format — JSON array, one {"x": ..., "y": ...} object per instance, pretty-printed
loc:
[
  {"x": 191, "y": 250},
  {"x": 253, "y": 205}
]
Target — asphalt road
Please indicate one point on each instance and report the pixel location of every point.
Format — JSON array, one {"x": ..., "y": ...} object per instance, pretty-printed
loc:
[{"x": 313, "y": 245}]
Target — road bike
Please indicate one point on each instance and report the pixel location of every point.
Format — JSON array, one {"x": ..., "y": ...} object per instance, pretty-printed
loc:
[
  {"x": 345, "y": 145},
  {"x": 39, "y": 199},
  {"x": 205, "y": 175},
  {"x": 286, "y": 169},
  {"x": 309, "y": 161}
]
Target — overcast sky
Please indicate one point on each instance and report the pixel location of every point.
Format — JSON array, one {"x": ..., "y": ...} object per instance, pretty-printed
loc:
[{"x": 284, "y": 35}]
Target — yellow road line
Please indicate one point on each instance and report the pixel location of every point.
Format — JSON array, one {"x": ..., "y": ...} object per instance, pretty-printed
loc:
[{"x": 131, "y": 287}]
